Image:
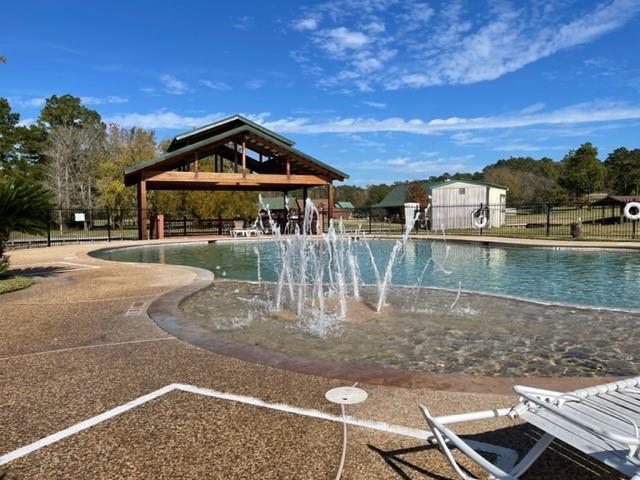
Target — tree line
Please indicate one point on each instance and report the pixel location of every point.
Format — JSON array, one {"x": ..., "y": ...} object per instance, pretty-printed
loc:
[
  {"x": 80, "y": 159},
  {"x": 576, "y": 177}
]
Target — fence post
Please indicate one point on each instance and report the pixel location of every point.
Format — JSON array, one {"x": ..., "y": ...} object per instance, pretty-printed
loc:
[
  {"x": 548, "y": 225},
  {"x": 108, "y": 225},
  {"x": 184, "y": 226},
  {"x": 633, "y": 229},
  {"x": 219, "y": 223},
  {"x": 48, "y": 228},
  {"x": 369, "y": 211}
]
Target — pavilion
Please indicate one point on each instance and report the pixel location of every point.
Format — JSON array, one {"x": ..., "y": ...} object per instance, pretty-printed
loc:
[{"x": 246, "y": 156}]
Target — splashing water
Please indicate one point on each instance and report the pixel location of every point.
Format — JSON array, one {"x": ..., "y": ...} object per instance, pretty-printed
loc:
[{"x": 318, "y": 274}]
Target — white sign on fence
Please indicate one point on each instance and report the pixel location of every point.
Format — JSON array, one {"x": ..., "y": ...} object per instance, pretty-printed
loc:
[{"x": 79, "y": 217}]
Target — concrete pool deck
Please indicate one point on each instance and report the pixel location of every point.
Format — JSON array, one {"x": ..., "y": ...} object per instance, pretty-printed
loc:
[{"x": 79, "y": 342}]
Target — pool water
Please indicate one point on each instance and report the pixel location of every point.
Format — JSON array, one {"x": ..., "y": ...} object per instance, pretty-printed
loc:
[
  {"x": 418, "y": 330},
  {"x": 521, "y": 311},
  {"x": 596, "y": 278}
]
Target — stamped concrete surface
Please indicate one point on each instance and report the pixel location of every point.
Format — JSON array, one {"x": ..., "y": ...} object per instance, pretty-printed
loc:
[{"x": 79, "y": 342}]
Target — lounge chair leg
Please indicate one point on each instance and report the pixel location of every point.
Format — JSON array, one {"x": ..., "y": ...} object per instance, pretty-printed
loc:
[{"x": 532, "y": 455}]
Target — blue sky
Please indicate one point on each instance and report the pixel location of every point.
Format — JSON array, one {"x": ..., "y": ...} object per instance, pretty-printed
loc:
[{"x": 382, "y": 89}]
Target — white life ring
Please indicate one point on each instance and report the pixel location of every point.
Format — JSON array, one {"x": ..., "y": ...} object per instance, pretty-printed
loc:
[
  {"x": 479, "y": 219},
  {"x": 627, "y": 210}
]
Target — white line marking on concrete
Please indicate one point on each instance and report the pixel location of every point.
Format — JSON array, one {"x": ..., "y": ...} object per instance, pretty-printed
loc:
[
  {"x": 82, "y": 266},
  {"x": 83, "y": 347},
  {"x": 505, "y": 456},
  {"x": 78, "y": 427},
  {"x": 79, "y": 266},
  {"x": 90, "y": 300},
  {"x": 136, "y": 309}
]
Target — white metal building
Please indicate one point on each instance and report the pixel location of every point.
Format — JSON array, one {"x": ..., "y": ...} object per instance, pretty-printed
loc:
[{"x": 454, "y": 201}]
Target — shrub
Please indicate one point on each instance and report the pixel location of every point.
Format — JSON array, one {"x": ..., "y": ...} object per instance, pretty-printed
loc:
[{"x": 24, "y": 205}]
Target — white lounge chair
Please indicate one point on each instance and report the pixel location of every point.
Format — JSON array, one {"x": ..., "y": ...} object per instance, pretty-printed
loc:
[
  {"x": 601, "y": 421},
  {"x": 238, "y": 229}
]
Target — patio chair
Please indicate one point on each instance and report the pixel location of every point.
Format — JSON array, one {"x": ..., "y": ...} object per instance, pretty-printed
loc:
[
  {"x": 238, "y": 228},
  {"x": 601, "y": 421}
]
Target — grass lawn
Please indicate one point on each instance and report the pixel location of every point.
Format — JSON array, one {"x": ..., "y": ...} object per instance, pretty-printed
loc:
[{"x": 10, "y": 283}]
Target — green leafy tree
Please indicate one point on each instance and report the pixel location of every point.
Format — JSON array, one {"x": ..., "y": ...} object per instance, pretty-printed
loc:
[
  {"x": 623, "y": 171},
  {"x": 75, "y": 137},
  {"x": 122, "y": 147},
  {"x": 416, "y": 193},
  {"x": 24, "y": 205},
  {"x": 582, "y": 172},
  {"x": 8, "y": 132},
  {"x": 67, "y": 110},
  {"x": 375, "y": 193},
  {"x": 20, "y": 146},
  {"x": 351, "y": 193}
]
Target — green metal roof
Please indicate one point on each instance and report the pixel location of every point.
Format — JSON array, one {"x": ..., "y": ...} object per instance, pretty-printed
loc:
[
  {"x": 209, "y": 134},
  {"x": 344, "y": 204},
  {"x": 221, "y": 126},
  {"x": 396, "y": 197}
]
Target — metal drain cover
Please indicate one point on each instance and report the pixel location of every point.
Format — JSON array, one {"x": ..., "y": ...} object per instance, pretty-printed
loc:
[{"x": 346, "y": 395}]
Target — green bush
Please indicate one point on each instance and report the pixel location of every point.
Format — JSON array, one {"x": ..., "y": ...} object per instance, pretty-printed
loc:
[{"x": 24, "y": 205}]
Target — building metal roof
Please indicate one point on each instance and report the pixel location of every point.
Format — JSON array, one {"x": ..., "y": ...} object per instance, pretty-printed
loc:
[
  {"x": 215, "y": 135},
  {"x": 396, "y": 197},
  {"x": 617, "y": 200}
]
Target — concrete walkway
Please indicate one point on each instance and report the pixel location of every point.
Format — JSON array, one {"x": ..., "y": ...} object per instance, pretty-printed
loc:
[{"x": 78, "y": 343}]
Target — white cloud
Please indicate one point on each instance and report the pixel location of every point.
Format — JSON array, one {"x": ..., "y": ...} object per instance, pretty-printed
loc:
[
  {"x": 172, "y": 85},
  {"x": 584, "y": 113},
  {"x": 466, "y": 138},
  {"x": 36, "y": 102},
  {"x": 526, "y": 147},
  {"x": 162, "y": 119},
  {"x": 254, "y": 84},
  {"x": 243, "y": 23},
  {"x": 375, "y": 104},
  {"x": 597, "y": 111},
  {"x": 447, "y": 46},
  {"x": 111, "y": 99},
  {"x": 339, "y": 40},
  {"x": 215, "y": 85},
  {"x": 306, "y": 23},
  {"x": 421, "y": 166}
]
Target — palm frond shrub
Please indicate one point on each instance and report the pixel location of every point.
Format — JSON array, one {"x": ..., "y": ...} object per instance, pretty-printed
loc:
[{"x": 24, "y": 206}]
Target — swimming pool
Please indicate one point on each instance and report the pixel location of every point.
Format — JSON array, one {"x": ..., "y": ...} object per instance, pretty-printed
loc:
[{"x": 589, "y": 277}]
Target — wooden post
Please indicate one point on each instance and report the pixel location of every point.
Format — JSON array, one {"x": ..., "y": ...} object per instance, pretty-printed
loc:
[
  {"x": 288, "y": 167},
  {"x": 330, "y": 199},
  {"x": 235, "y": 157},
  {"x": 244, "y": 158},
  {"x": 143, "y": 231},
  {"x": 196, "y": 164}
]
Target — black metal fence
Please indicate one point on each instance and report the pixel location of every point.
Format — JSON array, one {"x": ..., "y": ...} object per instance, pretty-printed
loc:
[
  {"x": 81, "y": 225},
  {"x": 580, "y": 221},
  {"x": 186, "y": 227},
  {"x": 577, "y": 220}
]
